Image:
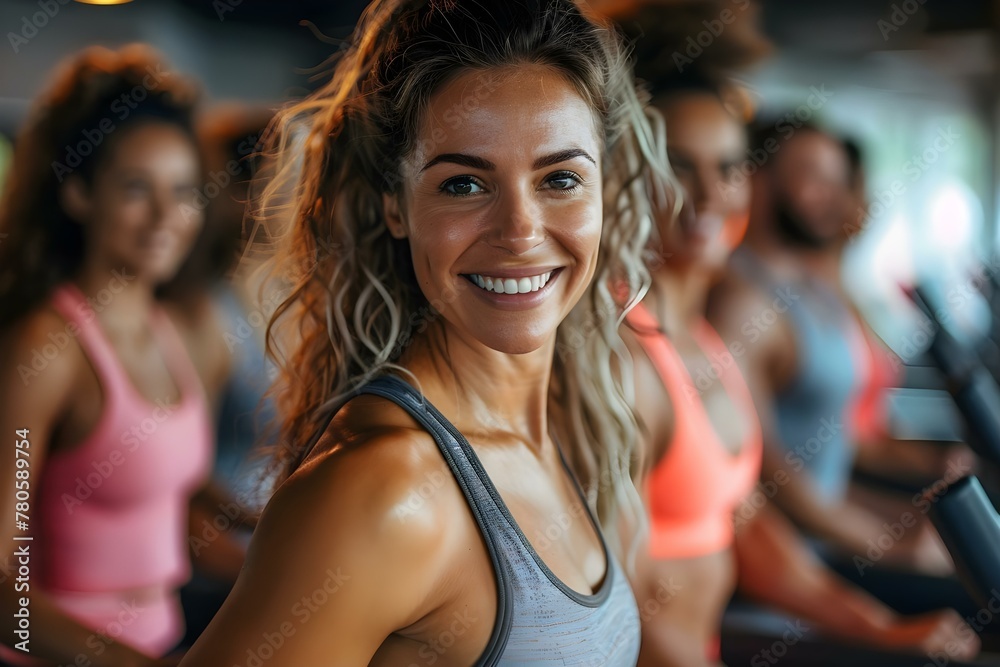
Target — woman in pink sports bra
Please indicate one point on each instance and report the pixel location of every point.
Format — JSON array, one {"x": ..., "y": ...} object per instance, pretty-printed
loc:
[
  {"x": 702, "y": 444},
  {"x": 99, "y": 388}
]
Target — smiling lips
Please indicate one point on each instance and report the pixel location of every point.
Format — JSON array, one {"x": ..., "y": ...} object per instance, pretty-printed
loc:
[{"x": 522, "y": 285}]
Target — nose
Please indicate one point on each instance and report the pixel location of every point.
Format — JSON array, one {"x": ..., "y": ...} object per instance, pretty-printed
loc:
[
  {"x": 708, "y": 191},
  {"x": 517, "y": 226}
]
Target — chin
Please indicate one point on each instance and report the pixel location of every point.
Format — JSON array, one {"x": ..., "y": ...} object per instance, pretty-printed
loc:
[{"x": 517, "y": 340}]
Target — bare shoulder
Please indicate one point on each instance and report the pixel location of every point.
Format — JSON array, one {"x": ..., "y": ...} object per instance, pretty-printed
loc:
[
  {"x": 743, "y": 312},
  {"x": 377, "y": 488},
  {"x": 653, "y": 407},
  {"x": 373, "y": 450},
  {"x": 732, "y": 297},
  {"x": 42, "y": 357},
  {"x": 363, "y": 538}
]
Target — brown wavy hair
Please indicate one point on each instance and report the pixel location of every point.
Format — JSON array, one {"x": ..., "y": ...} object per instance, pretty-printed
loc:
[
  {"x": 66, "y": 134},
  {"x": 350, "y": 311}
]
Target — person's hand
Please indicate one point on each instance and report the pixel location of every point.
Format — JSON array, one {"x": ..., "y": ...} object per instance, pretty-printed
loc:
[
  {"x": 955, "y": 461},
  {"x": 938, "y": 632},
  {"x": 924, "y": 551}
]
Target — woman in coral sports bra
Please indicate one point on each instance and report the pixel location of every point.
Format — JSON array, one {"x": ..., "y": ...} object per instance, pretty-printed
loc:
[
  {"x": 107, "y": 407},
  {"x": 702, "y": 438}
]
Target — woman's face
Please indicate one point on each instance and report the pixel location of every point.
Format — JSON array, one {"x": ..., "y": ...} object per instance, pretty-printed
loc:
[
  {"x": 707, "y": 147},
  {"x": 140, "y": 211},
  {"x": 502, "y": 206}
]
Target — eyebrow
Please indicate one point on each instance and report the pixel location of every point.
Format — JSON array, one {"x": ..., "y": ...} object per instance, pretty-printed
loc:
[{"x": 476, "y": 162}]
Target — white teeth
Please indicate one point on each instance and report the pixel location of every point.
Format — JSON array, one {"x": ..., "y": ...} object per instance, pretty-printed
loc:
[{"x": 511, "y": 285}]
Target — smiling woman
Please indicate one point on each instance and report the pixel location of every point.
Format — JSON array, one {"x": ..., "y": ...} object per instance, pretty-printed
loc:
[{"x": 464, "y": 191}]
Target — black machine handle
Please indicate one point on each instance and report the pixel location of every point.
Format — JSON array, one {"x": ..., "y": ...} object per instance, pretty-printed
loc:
[
  {"x": 970, "y": 384},
  {"x": 970, "y": 528},
  {"x": 963, "y": 514}
]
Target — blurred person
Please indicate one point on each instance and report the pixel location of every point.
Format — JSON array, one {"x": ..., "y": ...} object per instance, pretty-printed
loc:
[
  {"x": 441, "y": 252},
  {"x": 209, "y": 288},
  {"x": 804, "y": 358},
  {"x": 211, "y": 285},
  {"x": 702, "y": 439},
  {"x": 113, "y": 406},
  {"x": 910, "y": 464}
]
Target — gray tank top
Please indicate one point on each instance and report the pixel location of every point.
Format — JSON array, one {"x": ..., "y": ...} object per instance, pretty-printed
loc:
[
  {"x": 812, "y": 413},
  {"x": 540, "y": 621}
]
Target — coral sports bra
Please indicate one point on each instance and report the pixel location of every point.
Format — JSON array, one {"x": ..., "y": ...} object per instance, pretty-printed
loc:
[{"x": 692, "y": 492}]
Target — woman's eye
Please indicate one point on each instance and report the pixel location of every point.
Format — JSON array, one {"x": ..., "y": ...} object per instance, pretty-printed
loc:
[
  {"x": 461, "y": 186},
  {"x": 564, "y": 180}
]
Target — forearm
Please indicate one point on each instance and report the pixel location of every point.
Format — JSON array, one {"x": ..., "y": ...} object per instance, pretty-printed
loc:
[
  {"x": 916, "y": 460},
  {"x": 776, "y": 567},
  {"x": 846, "y": 525},
  {"x": 56, "y": 637},
  {"x": 834, "y": 605},
  {"x": 664, "y": 645}
]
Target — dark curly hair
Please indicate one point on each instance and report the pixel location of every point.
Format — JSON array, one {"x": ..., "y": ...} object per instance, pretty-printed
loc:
[{"x": 70, "y": 131}]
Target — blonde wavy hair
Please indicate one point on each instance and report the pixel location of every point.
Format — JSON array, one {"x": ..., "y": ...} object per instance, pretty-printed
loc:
[{"x": 351, "y": 308}]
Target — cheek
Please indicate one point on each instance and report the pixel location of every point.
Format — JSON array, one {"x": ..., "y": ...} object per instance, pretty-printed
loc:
[
  {"x": 581, "y": 229},
  {"x": 737, "y": 200},
  {"x": 120, "y": 220},
  {"x": 188, "y": 224}
]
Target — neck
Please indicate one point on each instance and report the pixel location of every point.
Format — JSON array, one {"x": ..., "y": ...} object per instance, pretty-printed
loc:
[
  {"x": 784, "y": 259},
  {"x": 121, "y": 299},
  {"x": 679, "y": 295},
  {"x": 481, "y": 390}
]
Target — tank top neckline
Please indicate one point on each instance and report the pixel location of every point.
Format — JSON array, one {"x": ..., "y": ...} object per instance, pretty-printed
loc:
[
  {"x": 603, "y": 589},
  {"x": 704, "y": 336},
  {"x": 166, "y": 342}
]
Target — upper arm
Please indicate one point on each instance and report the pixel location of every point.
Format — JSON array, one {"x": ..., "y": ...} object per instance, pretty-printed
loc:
[
  {"x": 653, "y": 408},
  {"x": 334, "y": 566},
  {"x": 746, "y": 317},
  {"x": 35, "y": 386}
]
